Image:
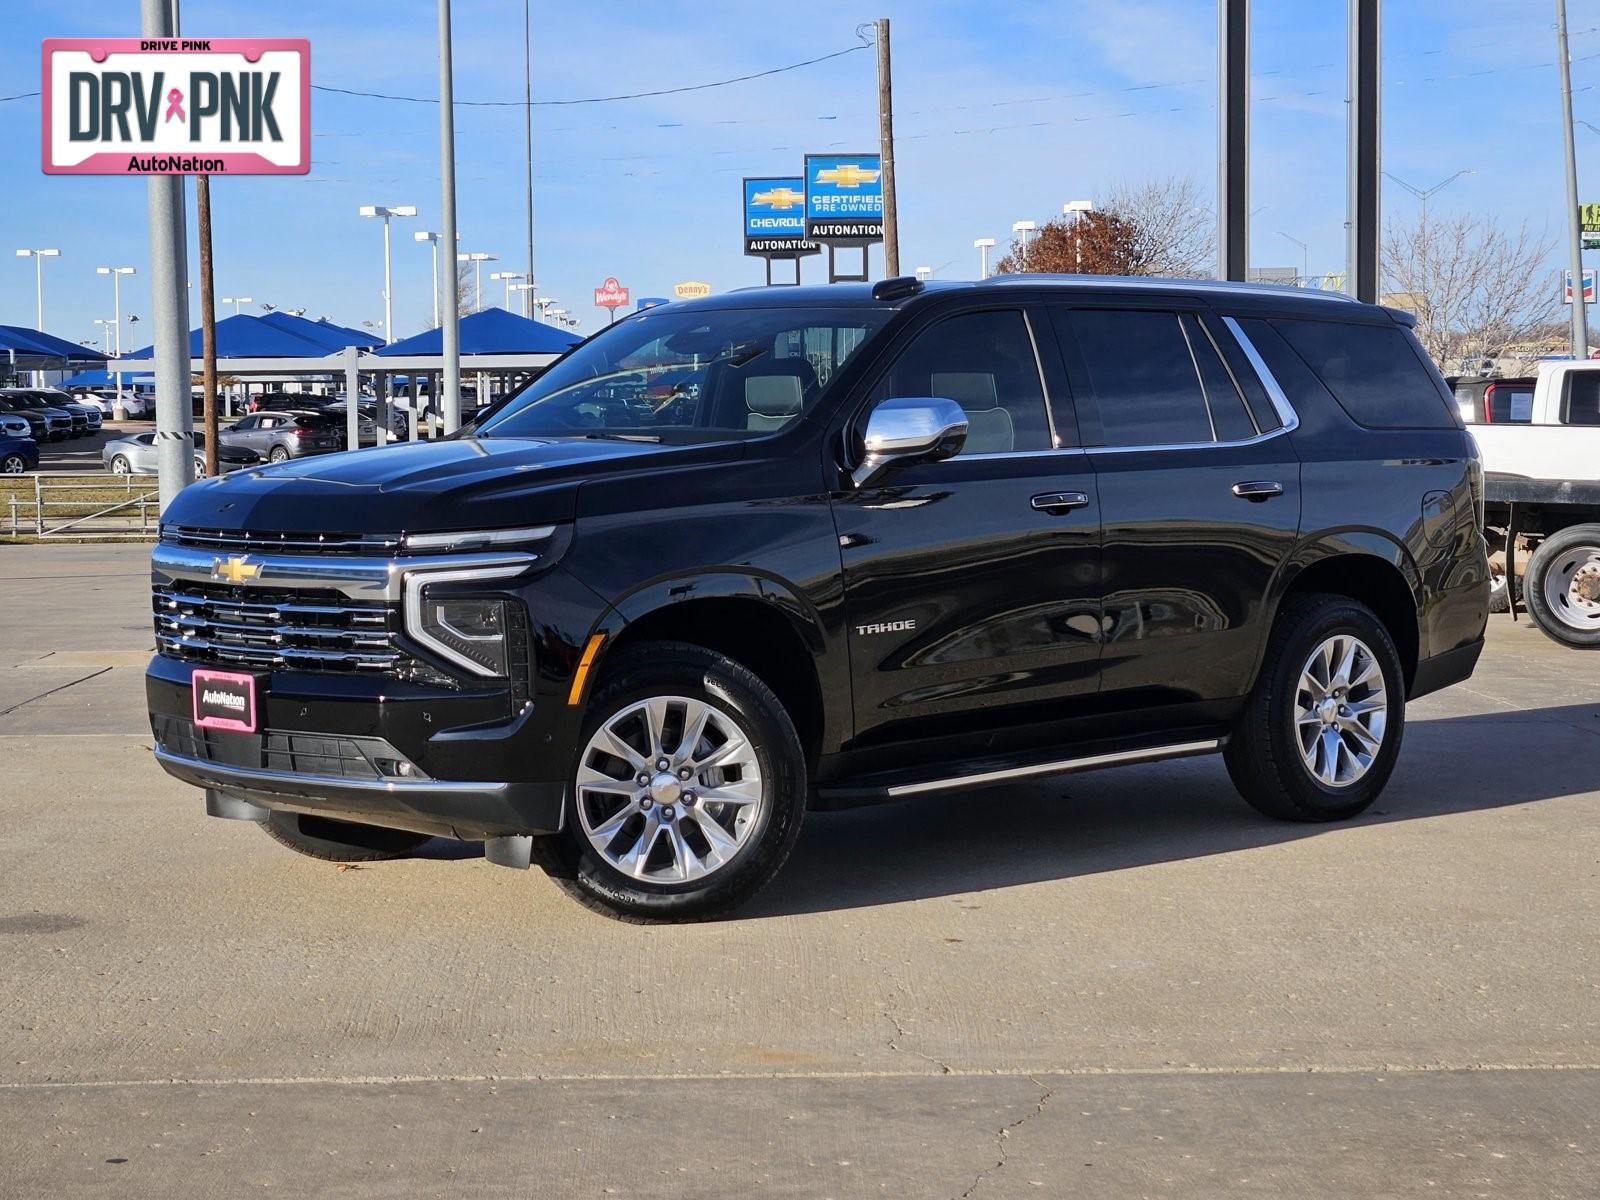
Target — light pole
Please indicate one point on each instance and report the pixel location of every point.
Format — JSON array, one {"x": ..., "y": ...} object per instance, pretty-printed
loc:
[
  {"x": 477, "y": 258},
  {"x": 116, "y": 274},
  {"x": 379, "y": 210},
  {"x": 1075, "y": 209},
  {"x": 983, "y": 246},
  {"x": 924, "y": 274},
  {"x": 38, "y": 257},
  {"x": 106, "y": 325},
  {"x": 1305, "y": 258},
  {"x": 527, "y": 290},
  {"x": 1426, "y": 194},
  {"x": 236, "y": 301},
  {"x": 433, "y": 240},
  {"x": 507, "y": 277},
  {"x": 1024, "y": 228},
  {"x": 1423, "y": 195}
]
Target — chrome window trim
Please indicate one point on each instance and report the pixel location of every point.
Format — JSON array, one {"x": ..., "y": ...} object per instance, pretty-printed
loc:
[
  {"x": 1232, "y": 377},
  {"x": 1199, "y": 379},
  {"x": 1044, "y": 384},
  {"x": 1275, "y": 392}
]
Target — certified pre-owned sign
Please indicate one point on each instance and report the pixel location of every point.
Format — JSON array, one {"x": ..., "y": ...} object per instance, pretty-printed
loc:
[{"x": 177, "y": 106}]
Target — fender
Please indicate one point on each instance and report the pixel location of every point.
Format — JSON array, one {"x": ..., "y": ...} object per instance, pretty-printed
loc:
[{"x": 752, "y": 584}]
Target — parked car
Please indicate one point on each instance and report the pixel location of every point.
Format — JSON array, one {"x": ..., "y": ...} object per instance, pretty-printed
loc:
[
  {"x": 284, "y": 402},
  {"x": 135, "y": 454},
  {"x": 57, "y": 398},
  {"x": 367, "y": 421},
  {"x": 134, "y": 404},
  {"x": 1541, "y": 514},
  {"x": 280, "y": 436},
  {"x": 880, "y": 540},
  {"x": 47, "y": 424},
  {"x": 15, "y": 425},
  {"x": 18, "y": 454}
]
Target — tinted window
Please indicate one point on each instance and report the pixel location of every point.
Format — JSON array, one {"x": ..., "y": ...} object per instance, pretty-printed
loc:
[
  {"x": 984, "y": 361},
  {"x": 1140, "y": 375},
  {"x": 1374, "y": 372},
  {"x": 1581, "y": 405},
  {"x": 1229, "y": 416}
]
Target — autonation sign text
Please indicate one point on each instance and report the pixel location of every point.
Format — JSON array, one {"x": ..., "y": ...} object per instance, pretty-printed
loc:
[{"x": 170, "y": 106}]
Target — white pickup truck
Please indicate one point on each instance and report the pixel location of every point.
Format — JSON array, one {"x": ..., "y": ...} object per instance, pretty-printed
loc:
[{"x": 1542, "y": 499}]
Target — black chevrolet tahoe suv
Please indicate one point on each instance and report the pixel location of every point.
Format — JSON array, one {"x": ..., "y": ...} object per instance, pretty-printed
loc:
[{"x": 800, "y": 548}]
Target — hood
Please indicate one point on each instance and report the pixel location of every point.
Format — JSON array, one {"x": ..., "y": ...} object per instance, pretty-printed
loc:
[{"x": 409, "y": 487}]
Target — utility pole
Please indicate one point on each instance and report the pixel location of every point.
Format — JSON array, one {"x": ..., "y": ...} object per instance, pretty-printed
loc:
[
  {"x": 1233, "y": 139},
  {"x": 527, "y": 121},
  {"x": 891, "y": 214},
  {"x": 1363, "y": 149},
  {"x": 208, "y": 322},
  {"x": 1580, "y": 311},
  {"x": 169, "y": 300},
  {"x": 450, "y": 310}
]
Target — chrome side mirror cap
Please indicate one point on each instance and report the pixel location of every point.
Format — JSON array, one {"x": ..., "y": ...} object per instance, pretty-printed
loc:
[{"x": 908, "y": 429}]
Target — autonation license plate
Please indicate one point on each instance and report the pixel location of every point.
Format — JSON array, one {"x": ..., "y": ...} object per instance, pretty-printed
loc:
[{"x": 225, "y": 700}]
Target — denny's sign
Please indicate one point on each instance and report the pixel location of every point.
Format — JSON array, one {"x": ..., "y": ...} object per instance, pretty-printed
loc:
[{"x": 177, "y": 106}]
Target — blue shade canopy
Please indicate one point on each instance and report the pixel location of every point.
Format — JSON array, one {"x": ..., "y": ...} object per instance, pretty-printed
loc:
[
  {"x": 324, "y": 333},
  {"x": 492, "y": 331},
  {"x": 245, "y": 336},
  {"x": 30, "y": 343}
]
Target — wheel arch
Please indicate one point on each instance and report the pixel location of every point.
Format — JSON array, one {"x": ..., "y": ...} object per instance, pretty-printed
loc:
[
  {"x": 757, "y": 621},
  {"x": 1369, "y": 567}
]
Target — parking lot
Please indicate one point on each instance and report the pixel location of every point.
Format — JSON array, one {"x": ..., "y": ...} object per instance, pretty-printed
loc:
[{"x": 1122, "y": 984}]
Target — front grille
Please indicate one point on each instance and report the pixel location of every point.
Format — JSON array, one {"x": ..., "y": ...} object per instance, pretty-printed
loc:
[
  {"x": 248, "y": 541},
  {"x": 339, "y": 756},
  {"x": 279, "y": 628}
]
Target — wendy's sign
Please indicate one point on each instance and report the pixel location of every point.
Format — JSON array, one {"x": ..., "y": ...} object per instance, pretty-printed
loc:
[{"x": 177, "y": 106}]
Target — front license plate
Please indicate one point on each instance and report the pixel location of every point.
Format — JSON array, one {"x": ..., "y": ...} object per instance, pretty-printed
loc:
[{"x": 225, "y": 700}]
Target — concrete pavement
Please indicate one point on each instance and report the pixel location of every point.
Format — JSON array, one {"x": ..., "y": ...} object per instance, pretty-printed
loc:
[{"x": 1114, "y": 984}]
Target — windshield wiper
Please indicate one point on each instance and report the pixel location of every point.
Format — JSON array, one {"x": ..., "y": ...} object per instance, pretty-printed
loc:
[{"x": 622, "y": 437}]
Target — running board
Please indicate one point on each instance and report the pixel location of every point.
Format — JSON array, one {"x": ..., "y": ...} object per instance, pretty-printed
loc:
[{"x": 849, "y": 796}]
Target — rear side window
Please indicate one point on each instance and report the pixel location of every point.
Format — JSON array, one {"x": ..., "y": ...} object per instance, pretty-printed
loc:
[
  {"x": 1581, "y": 403},
  {"x": 1229, "y": 417},
  {"x": 1140, "y": 377},
  {"x": 1373, "y": 371}
]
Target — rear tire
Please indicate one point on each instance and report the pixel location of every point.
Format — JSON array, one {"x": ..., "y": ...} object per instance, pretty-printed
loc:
[
  {"x": 700, "y": 857},
  {"x": 277, "y": 454},
  {"x": 340, "y": 841},
  {"x": 1562, "y": 587},
  {"x": 1296, "y": 752}
]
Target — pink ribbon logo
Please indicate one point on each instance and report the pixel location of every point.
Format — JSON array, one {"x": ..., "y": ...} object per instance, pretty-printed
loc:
[{"x": 174, "y": 106}]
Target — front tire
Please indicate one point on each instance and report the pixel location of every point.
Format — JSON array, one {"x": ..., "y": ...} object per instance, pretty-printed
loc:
[
  {"x": 340, "y": 841},
  {"x": 13, "y": 464},
  {"x": 1321, "y": 731},
  {"x": 277, "y": 454},
  {"x": 702, "y": 834},
  {"x": 1562, "y": 587}
]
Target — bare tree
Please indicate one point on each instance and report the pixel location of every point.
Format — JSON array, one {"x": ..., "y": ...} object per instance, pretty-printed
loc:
[
  {"x": 1160, "y": 227},
  {"x": 1476, "y": 289},
  {"x": 466, "y": 293}
]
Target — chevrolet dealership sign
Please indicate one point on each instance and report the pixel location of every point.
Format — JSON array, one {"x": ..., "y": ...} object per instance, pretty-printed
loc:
[{"x": 177, "y": 106}]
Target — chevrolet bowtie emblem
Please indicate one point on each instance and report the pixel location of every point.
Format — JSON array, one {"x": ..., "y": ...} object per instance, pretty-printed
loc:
[
  {"x": 779, "y": 198},
  {"x": 234, "y": 569},
  {"x": 848, "y": 175}
]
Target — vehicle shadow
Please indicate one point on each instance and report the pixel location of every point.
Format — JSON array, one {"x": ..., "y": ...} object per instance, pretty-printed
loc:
[{"x": 1138, "y": 816}]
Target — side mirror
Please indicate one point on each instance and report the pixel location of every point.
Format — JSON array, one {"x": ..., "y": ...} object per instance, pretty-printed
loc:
[{"x": 909, "y": 429}]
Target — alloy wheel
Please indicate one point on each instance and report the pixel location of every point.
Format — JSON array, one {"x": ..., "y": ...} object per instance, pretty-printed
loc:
[
  {"x": 1341, "y": 708},
  {"x": 13, "y": 465},
  {"x": 669, "y": 790}
]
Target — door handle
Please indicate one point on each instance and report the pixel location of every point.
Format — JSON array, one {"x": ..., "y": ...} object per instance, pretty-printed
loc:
[
  {"x": 1060, "y": 502},
  {"x": 1258, "y": 489}
]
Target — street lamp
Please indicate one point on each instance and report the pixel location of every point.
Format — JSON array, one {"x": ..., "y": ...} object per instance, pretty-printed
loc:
[
  {"x": 1075, "y": 209},
  {"x": 526, "y": 289},
  {"x": 477, "y": 258},
  {"x": 38, "y": 257},
  {"x": 923, "y": 274},
  {"x": 236, "y": 301},
  {"x": 116, "y": 274},
  {"x": 106, "y": 326},
  {"x": 507, "y": 277},
  {"x": 1024, "y": 228},
  {"x": 1305, "y": 258},
  {"x": 380, "y": 211},
  {"x": 1424, "y": 194},
  {"x": 433, "y": 239},
  {"x": 983, "y": 246}
]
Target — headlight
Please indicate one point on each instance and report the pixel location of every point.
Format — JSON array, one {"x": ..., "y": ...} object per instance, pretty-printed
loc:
[{"x": 470, "y": 632}]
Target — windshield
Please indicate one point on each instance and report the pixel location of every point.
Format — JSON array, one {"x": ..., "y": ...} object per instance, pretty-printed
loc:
[{"x": 669, "y": 375}]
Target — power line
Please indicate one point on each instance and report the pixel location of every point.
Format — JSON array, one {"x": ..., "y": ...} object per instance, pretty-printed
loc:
[{"x": 673, "y": 91}]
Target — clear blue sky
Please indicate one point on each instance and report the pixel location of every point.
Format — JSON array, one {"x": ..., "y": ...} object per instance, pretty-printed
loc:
[{"x": 993, "y": 119}]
